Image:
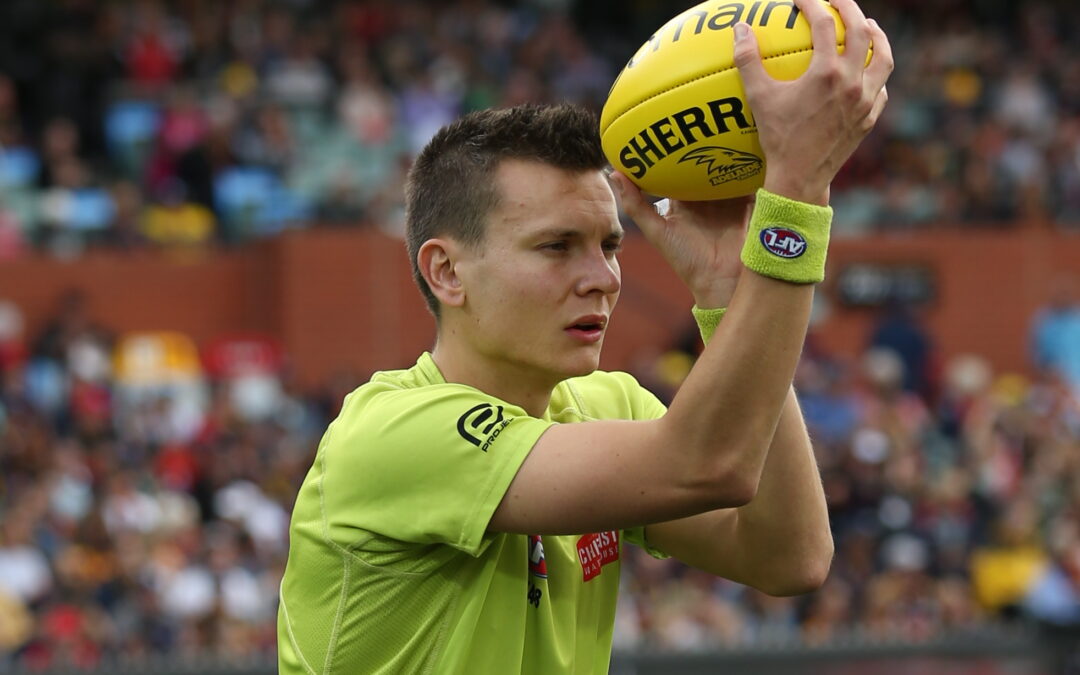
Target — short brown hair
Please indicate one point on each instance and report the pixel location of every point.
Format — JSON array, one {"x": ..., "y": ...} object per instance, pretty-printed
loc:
[{"x": 450, "y": 189}]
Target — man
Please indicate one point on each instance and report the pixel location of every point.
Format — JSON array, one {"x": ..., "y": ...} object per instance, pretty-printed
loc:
[
  {"x": 467, "y": 515},
  {"x": 1055, "y": 334}
]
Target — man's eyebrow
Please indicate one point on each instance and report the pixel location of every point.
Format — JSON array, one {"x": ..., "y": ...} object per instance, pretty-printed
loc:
[
  {"x": 570, "y": 233},
  {"x": 557, "y": 233}
]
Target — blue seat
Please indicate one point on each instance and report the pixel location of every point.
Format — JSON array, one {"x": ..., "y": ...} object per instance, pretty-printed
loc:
[
  {"x": 19, "y": 167},
  {"x": 131, "y": 128},
  {"x": 253, "y": 201}
]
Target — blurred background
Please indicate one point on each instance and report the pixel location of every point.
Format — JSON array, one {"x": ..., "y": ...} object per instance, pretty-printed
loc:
[{"x": 200, "y": 255}]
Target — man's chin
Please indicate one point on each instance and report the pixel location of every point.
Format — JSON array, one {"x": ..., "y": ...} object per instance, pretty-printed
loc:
[{"x": 582, "y": 367}]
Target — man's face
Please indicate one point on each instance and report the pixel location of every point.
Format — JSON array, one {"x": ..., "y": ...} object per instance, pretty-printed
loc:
[{"x": 540, "y": 288}]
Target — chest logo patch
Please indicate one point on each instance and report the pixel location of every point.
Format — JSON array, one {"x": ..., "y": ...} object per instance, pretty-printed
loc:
[
  {"x": 597, "y": 550},
  {"x": 537, "y": 564}
]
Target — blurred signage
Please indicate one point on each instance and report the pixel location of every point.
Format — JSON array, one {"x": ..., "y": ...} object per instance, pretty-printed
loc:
[
  {"x": 155, "y": 358},
  {"x": 878, "y": 284},
  {"x": 240, "y": 355}
]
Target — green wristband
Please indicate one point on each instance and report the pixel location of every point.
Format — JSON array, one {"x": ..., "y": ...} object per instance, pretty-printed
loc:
[
  {"x": 787, "y": 240},
  {"x": 707, "y": 321}
]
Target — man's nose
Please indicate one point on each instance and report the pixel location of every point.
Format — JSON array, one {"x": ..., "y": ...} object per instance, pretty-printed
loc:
[{"x": 601, "y": 274}]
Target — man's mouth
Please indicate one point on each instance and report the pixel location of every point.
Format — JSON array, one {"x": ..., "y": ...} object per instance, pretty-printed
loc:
[
  {"x": 587, "y": 326},
  {"x": 588, "y": 329}
]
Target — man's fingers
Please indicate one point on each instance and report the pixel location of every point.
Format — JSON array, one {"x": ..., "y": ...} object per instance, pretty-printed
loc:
[
  {"x": 748, "y": 60},
  {"x": 635, "y": 205},
  {"x": 822, "y": 30},
  {"x": 857, "y": 34},
  {"x": 881, "y": 64}
]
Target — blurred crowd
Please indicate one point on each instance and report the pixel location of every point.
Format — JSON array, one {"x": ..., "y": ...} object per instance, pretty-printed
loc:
[
  {"x": 184, "y": 122},
  {"x": 146, "y": 484},
  {"x": 953, "y": 493},
  {"x": 145, "y": 490},
  {"x": 146, "y": 481}
]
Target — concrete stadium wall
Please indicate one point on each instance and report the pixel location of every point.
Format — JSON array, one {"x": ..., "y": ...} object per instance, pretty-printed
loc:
[{"x": 344, "y": 298}]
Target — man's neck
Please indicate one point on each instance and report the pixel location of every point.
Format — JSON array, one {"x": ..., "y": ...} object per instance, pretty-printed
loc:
[{"x": 526, "y": 389}]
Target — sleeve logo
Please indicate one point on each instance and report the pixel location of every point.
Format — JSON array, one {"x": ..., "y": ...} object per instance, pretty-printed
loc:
[
  {"x": 780, "y": 241},
  {"x": 482, "y": 424}
]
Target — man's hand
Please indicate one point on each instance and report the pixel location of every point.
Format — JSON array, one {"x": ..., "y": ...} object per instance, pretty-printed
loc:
[
  {"x": 700, "y": 240},
  {"x": 808, "y": 127}
]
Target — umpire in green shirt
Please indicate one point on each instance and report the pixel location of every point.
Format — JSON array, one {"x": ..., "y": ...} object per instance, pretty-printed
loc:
[{"x": 467, "y": 515}]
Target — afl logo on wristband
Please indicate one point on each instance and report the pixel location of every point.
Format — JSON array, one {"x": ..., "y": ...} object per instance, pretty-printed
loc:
[{"x": 781, "y": 241}]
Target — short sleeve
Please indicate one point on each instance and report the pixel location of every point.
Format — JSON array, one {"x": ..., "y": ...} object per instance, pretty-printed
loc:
[{"x": 426, "y": 466}]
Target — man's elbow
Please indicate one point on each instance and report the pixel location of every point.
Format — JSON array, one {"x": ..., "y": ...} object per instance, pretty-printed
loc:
[
  {"x": 732, "y": 484},
  {"x": 735, "y": 490},
  {"x": 807, "y": 575}
]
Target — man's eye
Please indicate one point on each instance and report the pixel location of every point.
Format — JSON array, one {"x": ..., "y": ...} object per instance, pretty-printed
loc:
[
  {"x": 556, "y": 246},
  {"x": 613, "y": 246}
]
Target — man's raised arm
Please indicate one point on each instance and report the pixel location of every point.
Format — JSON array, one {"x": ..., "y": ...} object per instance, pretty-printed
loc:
[{"x": 710, "y": 450}]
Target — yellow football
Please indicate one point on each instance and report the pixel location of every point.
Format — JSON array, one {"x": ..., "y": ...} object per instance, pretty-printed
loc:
[{"x": 676, "y": 120}]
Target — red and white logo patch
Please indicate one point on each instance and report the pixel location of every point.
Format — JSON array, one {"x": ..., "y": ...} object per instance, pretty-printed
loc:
[
  {"x": 783, "y": 242},
  {"x": 596, "y": 550},
  {"x": 537, "y": 564}
]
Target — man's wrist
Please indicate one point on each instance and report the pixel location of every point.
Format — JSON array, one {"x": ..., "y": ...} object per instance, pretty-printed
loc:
[
  {"x": 797, "y": 189},
  {"x": 786, "y": 239},
  {"x": 716, "y": 294}
]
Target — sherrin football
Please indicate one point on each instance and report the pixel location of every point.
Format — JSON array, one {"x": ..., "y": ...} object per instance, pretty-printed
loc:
[{"x": 676, "y": 120}]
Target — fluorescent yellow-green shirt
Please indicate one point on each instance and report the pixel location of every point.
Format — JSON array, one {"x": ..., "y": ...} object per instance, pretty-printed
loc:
[{"x": 391, "y": 568}]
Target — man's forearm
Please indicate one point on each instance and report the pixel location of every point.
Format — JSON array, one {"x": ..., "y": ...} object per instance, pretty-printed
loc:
[
  {"x": 784, "y": 530},
  {"x": 728, "y": 407}
]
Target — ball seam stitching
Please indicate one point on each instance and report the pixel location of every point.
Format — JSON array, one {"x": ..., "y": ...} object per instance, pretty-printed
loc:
[{"x": 701, "y": 77}]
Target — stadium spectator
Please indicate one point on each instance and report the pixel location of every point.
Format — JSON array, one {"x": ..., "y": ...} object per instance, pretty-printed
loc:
[
  {"x": 899, "y": 329},
  {"x": 1054, "y": 595},
  {"x": 1055, "y": 340}
]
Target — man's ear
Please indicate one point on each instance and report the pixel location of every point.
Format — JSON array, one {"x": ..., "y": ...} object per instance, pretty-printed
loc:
[{"x": 437, "y": 260}]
